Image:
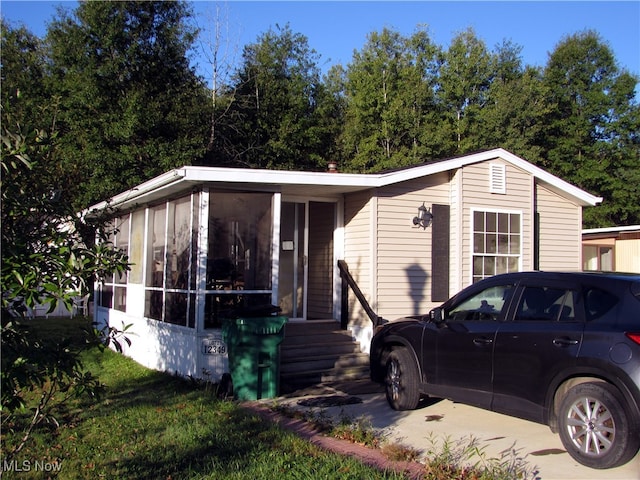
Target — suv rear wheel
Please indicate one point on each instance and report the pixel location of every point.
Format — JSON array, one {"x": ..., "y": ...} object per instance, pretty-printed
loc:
[
  {"x": 401, "y": 381},
  {"x": 595, "y": 428}
]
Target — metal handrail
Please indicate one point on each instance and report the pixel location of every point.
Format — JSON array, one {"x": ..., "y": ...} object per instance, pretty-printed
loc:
[{"x": 347, "y": 279}]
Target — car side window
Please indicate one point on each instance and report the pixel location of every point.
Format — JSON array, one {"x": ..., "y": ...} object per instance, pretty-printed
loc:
[
  {"x": 485, "y": 305},
  {"x": 598, "y": 302},
  {"x": 546, "y": 304}
]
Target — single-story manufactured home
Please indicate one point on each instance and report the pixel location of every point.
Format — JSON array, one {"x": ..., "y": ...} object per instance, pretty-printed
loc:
[
  {"x": 203, "y": 240},
  {"x": 614, "y": 249}
]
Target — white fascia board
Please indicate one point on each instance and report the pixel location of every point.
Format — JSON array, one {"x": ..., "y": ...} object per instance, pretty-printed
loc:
[
  {"x": 630, "y": 228},
  {"x": 584, "y": 198},
  {"x": 277, "y": 177},
  {"x": 171, "y": 177},
  {"x": 191, "y": 174}
]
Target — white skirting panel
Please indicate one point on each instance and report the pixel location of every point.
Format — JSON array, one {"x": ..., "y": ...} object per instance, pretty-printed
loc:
[{"x": 170, "y": 348}]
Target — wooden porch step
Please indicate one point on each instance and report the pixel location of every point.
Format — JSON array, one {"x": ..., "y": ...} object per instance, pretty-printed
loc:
[{"x": 316, "y": 352}]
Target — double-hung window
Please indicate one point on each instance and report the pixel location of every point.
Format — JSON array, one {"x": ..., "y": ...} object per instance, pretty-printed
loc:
[{"x": 497, "y": 243}]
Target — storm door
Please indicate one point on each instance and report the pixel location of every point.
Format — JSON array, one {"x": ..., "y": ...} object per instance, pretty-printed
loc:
[{"x": 293, "y": 260}]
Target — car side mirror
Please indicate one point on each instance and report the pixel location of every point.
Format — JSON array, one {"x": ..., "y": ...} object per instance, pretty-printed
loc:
[{"x": 435, "y": 315}]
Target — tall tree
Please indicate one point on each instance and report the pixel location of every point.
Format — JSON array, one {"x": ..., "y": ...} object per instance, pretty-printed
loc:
[
  {"x": 592, "y": 137},
  {"x": 513, "y": 116},
  {"x": 131, "y": 106},
  {"x": 389, "y": 96},
  {"x": 277, "y": 91},
  {"x": 465, "y": 78},
  {"x": 22, "y": 73}
]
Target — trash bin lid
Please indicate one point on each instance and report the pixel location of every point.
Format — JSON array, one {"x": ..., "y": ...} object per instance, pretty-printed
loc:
[{"x": 261, "y": 325}]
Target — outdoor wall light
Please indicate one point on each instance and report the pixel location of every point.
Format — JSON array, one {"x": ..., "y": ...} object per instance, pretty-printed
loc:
[{"x": 424, "y": 217}]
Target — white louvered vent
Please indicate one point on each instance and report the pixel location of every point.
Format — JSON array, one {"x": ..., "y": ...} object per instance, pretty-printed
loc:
[{"x": 497, "y": 178}]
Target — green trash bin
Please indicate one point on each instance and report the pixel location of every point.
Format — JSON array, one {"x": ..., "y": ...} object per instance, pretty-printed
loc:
[{"x": 253, "y": 345}]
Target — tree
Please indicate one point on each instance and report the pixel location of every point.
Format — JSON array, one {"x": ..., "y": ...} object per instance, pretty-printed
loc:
[
  {"x": 22, "y": 73},
  {"x": 275, "y": 108},
  {"x": 592, "y": 135},
  {"x": 131, "y": 107},
  {"x": 389, "y": 99},
  {"x": 465, "y": 78},
  {"x": 45, "y": 260},
  {"x": 513, "y": 116}
]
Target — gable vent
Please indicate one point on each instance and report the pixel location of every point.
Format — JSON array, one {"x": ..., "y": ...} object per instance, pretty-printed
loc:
[{"x": 497, "y": 178}]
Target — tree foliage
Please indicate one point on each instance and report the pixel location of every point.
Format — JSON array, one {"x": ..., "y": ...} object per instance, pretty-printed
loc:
[
  {"x": 128, "y": 105},
  {"x": 45, "y": 261},
  {"x": 592, "y": 137},
  {"x": 389, "y": 101},
  {"x": 277, "y": 100},
  {"x": 131, "y": 107}
]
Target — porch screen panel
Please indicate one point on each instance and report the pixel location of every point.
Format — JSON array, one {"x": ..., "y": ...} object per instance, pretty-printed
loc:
[
  {"x": 177, "y": 272},
  {"x": 113, "y": 291},
  {"x": 239, "y": 252},
  {"x": 136, "y": 249},
  {"x": 156, "y": 234}
]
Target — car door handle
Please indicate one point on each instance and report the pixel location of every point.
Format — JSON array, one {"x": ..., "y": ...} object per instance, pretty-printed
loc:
[
  {"x": 481, "y": 342},
  {"x": 564, "y": 342}
]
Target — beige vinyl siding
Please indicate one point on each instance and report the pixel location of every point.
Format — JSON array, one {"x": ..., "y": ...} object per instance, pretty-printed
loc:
[
  {"x": 357, "y": 250},
  {"x": 404, "y": 250},
  {"x": 560, "y": 231},
  {"x": 627, "y": 255},
  {"x": 476, "y": 196}
]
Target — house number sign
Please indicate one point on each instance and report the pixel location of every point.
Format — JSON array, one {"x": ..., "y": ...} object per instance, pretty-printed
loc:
[{"x": 213, "y": 347}]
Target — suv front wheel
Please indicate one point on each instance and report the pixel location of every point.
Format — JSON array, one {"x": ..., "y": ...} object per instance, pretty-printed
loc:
[
  {"x": 401, "y": 381},
  {"x": 595, "y": 428}
]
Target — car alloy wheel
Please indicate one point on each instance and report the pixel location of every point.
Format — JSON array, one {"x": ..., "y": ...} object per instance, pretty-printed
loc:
[
  {"x": 595, "y": 428},
  {"x": 591, "y": 426},
  {"x": 402, "y": 380}
]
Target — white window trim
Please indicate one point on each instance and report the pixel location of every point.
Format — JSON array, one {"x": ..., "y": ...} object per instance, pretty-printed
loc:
[{"x": 472, "y": 212}]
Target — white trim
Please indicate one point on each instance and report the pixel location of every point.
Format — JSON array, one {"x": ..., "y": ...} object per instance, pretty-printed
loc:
[
  {"x": 275, "y": 247},
  {"x": 203, "y": 253},
  {"x": 471, "y": 252},
  {"x": 338, "y": 254},
  {"x": 630, "y": 228},
  {"x": 345, "y": 182}
]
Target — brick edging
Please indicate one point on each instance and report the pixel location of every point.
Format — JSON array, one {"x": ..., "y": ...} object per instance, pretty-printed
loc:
[{"x": 369, "y": 456}]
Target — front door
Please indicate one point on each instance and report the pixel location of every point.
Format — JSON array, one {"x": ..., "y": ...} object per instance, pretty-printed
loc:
[{"x": 293, "y": 260}]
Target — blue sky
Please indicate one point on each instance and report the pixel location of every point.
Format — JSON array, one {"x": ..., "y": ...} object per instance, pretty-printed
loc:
[{"x": 335, "y": 29}]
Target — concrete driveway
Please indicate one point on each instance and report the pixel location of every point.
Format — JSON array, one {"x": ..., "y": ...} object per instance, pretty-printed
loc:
[{"x": 440, "y": 420}]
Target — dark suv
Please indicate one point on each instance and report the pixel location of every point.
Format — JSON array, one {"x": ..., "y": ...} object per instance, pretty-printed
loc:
[{"x": 561, "y": 349}]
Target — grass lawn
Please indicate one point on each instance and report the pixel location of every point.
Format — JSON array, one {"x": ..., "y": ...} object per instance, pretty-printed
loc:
[{"x": 157, "y": 426}]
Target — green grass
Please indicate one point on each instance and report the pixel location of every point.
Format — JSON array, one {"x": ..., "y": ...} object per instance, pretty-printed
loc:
[
  {"x": 150, "y": 425},
  {"x": 157, "y": 426}
]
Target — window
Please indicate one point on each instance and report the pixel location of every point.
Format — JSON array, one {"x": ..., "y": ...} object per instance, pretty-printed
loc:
[
  {"x": 545, "y": 303},
  {"x": 171, "y": 248},
  {"x": 113, "y": 293},
  {"x": 598, "y": 302},
  {"x": 486, "y": 305},
  {"x": 496, "y": 243},
  {"x": 597, "y": 257},
  {"x": 239, "y": 253}
]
